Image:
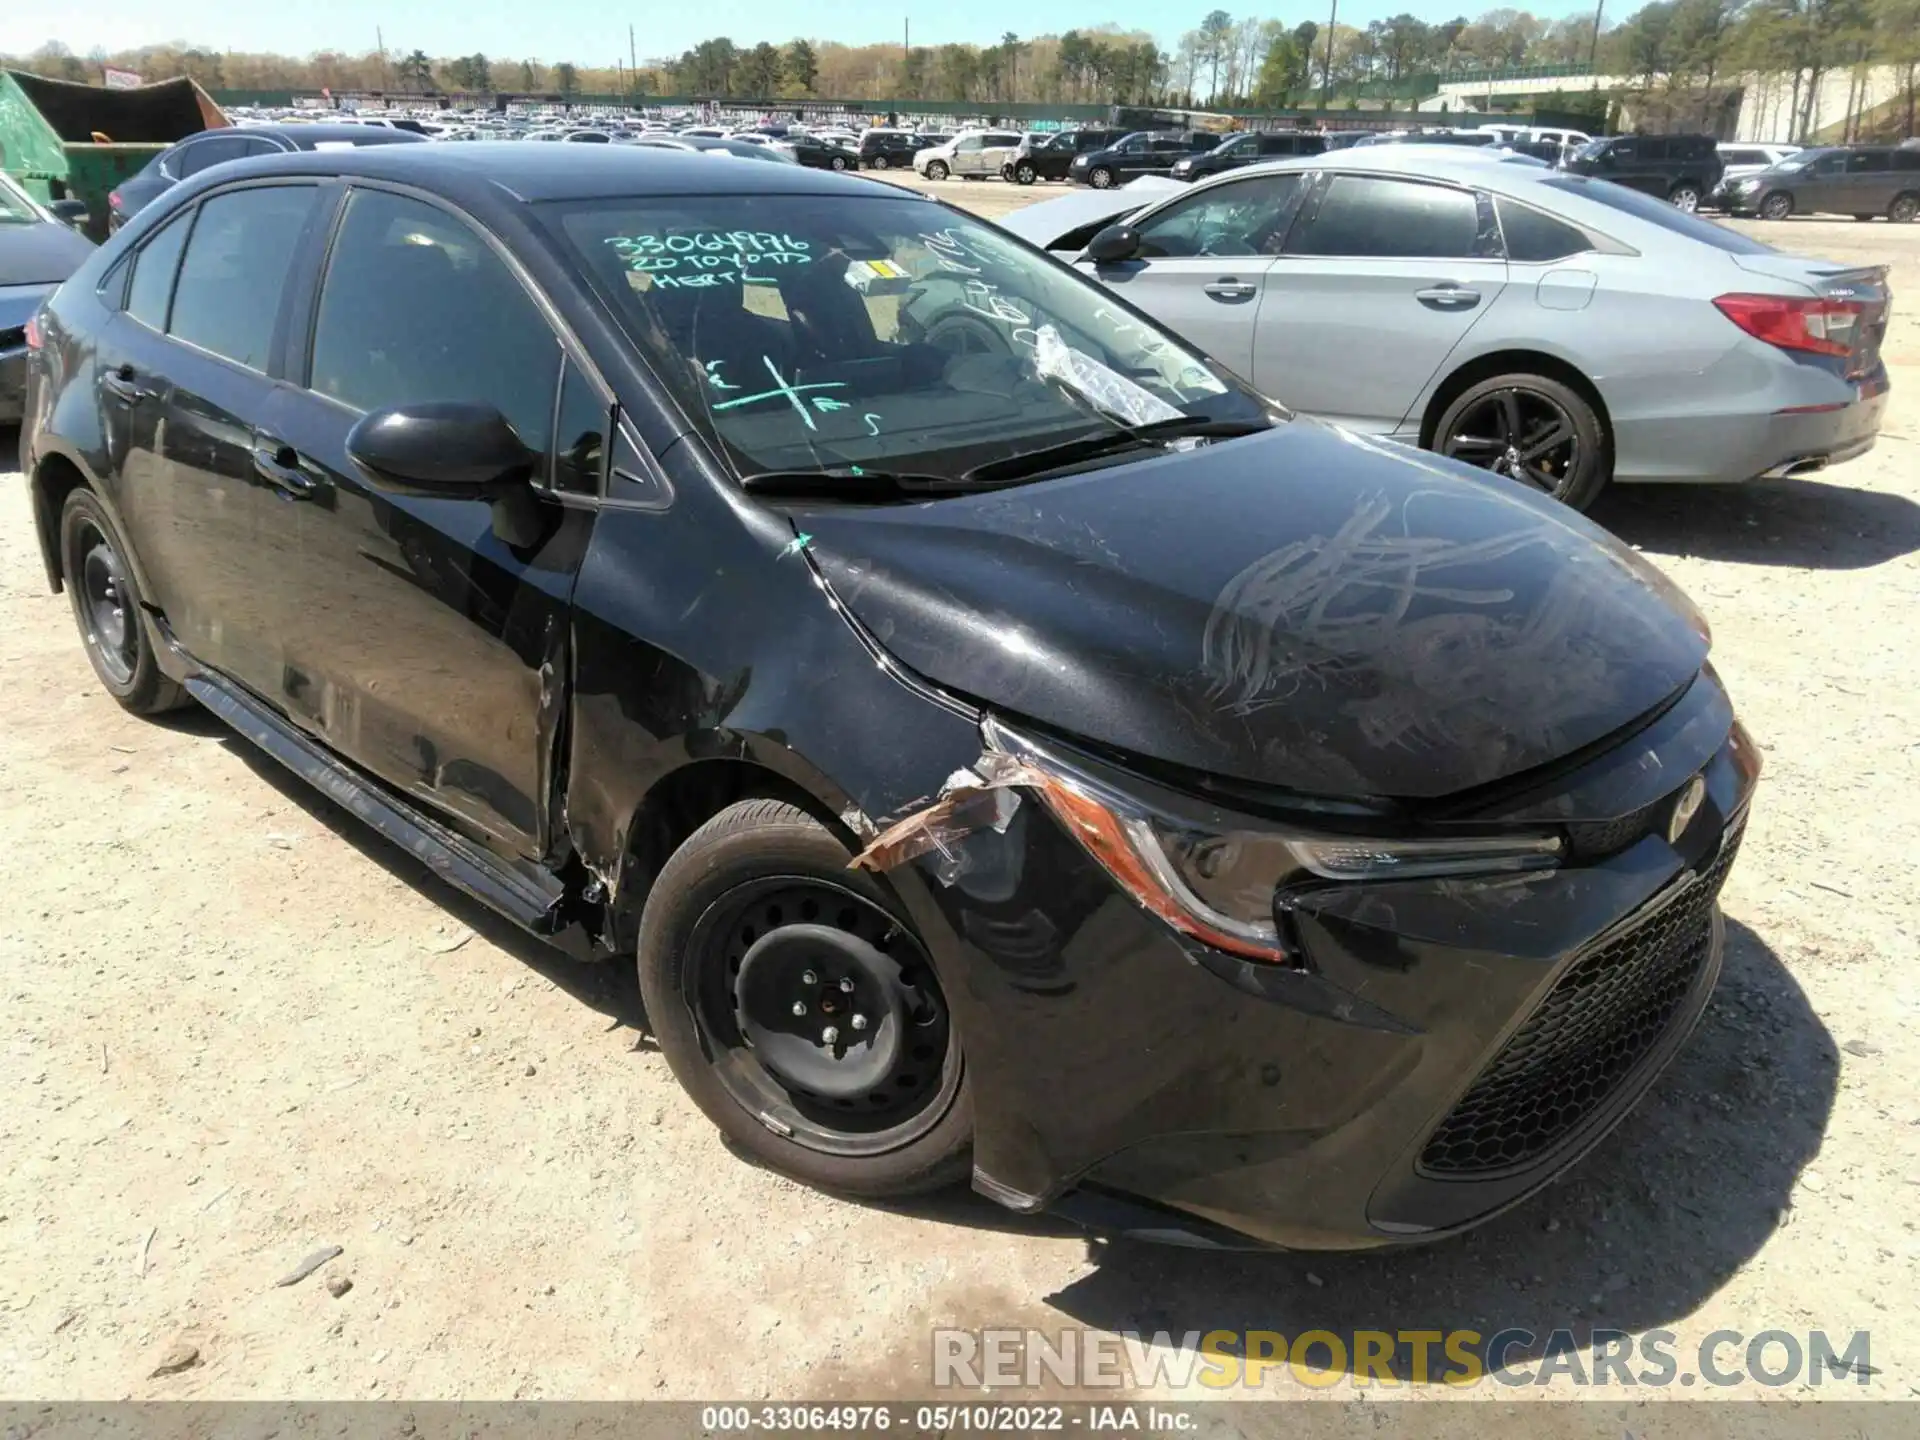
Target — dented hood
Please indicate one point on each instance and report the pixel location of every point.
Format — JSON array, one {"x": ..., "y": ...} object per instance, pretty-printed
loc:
[{"x": 1306, "y": 609}]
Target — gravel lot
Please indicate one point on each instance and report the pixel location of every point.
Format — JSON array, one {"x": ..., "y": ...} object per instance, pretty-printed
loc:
[{"x": 239, "y": 1028}]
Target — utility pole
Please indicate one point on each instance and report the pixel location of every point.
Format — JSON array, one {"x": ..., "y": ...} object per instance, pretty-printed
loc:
[
  {"x": 633, "y": 64},
  {"x": 1593, "y": 49},
  {"x": 1326, "y": 74},
  {"x": 380, "y": 39}
]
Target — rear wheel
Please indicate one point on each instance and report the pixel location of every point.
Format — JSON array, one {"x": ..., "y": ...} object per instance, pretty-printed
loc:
[
  {"x": 107, "y": 606},
  {"x": 798, "y": 1008},
  {"x": 1903, "y": 209},
  {"x": 937, "y": 170},
  {"x": 1530, "y": 427},
  {"x": 1100, "y": 177},
  {"x": 878, "y": 162},
  {"x": 1777, "y": 206},
  {"x": 1685, "y": 196}
]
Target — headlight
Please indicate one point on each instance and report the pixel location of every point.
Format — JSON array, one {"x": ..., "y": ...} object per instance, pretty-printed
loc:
[{"x": 1217, "y": 879}]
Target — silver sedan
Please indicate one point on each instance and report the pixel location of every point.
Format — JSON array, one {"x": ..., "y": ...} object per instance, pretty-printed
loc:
[{"x": 1559, "y": 329}]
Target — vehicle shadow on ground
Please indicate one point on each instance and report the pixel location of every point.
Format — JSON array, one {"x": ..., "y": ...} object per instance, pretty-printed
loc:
[
  {"x": 1809, "y": 524},
  {"x": 1637, "y": 1236},
  {"x": 611, "y": 988}
]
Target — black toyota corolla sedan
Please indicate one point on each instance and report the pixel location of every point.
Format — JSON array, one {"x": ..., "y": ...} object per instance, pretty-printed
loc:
[{"x": 1010, "y": 747}]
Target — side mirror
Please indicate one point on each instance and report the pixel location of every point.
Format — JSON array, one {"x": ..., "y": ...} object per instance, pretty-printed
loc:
[
  {"x": 446, "y": 450},
  {"x": 1113, "y": 245},
  {"x": 69, "y": 212}
]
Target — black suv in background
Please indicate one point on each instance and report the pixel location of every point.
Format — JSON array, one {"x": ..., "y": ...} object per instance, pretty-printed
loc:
[
  {"x": 1144, "y": 152},
  {"x": 1248, "y": 149},
  {"x": 1858, "y": 180},
  {"x": 1050, "y": 157},
  {"x": 889, "y": 149},
  {"x": 1681, "y": 168}
]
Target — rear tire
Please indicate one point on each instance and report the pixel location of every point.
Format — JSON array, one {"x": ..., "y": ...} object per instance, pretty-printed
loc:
[
  {"x": 1685, "y": 197},
  {"x": 757, "y": 914},
  {"x": 1777, "y": 206},
  {"x": 109, "y": 609},
  {"x": 937, "y": 170},
  {"x": 1533, "y": 428},
  {"x": 1904, "y": 209},
  {"x": 879, "y": 162}
]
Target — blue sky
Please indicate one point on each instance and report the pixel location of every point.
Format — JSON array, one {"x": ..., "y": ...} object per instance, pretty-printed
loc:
[{"x": 594, "y": 32}]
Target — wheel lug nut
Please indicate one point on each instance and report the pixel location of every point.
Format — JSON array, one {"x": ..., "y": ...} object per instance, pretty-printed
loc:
[
  {"x": 859, "y": 1022},
  {"x": 809, "y": 978},
  {"x": 829, "y": 1035},
  {"x": 799, "y": 1007},
  {"x": 847, "y": 986}
]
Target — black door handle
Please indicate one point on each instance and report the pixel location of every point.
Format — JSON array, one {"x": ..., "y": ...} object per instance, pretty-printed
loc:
[
  {"x": 125, "y": 383},
  {"x": 279, "y": 465}
]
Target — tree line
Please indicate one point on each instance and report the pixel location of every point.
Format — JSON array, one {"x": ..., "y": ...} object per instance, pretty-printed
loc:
[{"x": 1682, "y": 52}]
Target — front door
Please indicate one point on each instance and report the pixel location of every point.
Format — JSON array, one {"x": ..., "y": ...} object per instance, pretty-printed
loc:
[
  {"x": 434, "y": 653},
  {"x": 1203, "y": 262},
  {"x": 1823, "y": 188},
  {"x": 1381, "y": 280}
]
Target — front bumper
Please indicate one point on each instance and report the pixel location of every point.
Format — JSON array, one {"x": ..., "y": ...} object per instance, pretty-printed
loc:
[{"x": 1431, "y": 1064}]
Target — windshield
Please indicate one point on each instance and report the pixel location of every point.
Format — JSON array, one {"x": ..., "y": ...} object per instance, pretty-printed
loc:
[
  {"x": 15, "y": 208},
  {"x": 1800, "y": 160},
  {"x": 1238, "y": 144},
  {"x": 1592, "y": 150},
  {"x": 816, "y": 332}
]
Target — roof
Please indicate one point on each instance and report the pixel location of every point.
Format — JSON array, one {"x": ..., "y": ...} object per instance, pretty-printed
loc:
[{"x": 533, "y": 171}]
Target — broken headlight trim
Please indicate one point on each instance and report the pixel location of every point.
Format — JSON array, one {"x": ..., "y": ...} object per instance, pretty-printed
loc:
[{"x": 1218, "y": 885}]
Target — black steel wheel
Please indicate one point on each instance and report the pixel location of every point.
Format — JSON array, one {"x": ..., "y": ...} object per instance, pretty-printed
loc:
[
  {"x": 1100, "y": 177},
  {"x": 1903, "y": 209},
  {"x": 800, "y": 1010},
  {"x": 107, "y": 609},
  {"x": 1777, "y": 206},
  {"x": 1531, "y": 428}
]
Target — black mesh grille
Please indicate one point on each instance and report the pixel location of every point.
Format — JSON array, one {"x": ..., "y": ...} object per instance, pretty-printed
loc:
[
  {"x": 1597, "y": 839},
  {"x": 1596, "y": 1025}
]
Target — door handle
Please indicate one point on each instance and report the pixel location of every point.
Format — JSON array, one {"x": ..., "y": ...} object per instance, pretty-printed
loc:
[
  {"x": 1448, "y": 296},
  {"x": 279, "y": 466},
  {"x": 125, "y": 383},
  {"x": 1228, "y": 288}
]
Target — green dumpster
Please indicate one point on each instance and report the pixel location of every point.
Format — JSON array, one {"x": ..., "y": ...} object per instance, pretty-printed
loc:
[{"x": 60, "y": 139}]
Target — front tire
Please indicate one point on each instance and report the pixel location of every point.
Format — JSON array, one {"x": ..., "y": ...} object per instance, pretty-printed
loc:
[
  {"x": 1100, "y": 177},
  {"x": 1777, "y": 206},
  {"x": 1533, "y": 428},
  {"x": 937, "y": 170},
  {"x": 107, "y": 608},
  {"x": 1685, "y": 197},
  {"x": 795, "y": 1004},
  {"x": 1024, "y": 174},
  {"x": 838, "y": 162},
  {"x": 1903, "y": 209}
]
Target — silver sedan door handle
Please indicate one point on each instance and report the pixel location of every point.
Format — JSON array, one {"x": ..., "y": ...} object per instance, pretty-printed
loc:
[
  {"x": 1448, "y": 296},
  {"x": 1228, "y": 288}
]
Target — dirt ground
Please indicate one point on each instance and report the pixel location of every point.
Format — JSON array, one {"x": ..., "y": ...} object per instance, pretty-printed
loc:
[{"x": 238, "y": 1028}]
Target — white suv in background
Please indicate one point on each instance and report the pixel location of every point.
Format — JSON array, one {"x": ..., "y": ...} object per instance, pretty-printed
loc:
[{"x": 972, "y": 155}]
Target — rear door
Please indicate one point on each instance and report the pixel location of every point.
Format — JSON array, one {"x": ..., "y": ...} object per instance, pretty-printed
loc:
[
  {"x": 1382, "y": 277},
  {"x": 434, "y": 648},
  {"x": 1204, "y": 260},
  {"x": 234, "y": 539}
]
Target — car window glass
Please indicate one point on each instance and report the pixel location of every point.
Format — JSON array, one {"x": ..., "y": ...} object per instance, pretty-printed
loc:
[
  {"x": 1867, "y": 162},
  {"x": 1740, "y": 157},
  {"x": 972, "y": 142},
  {"x": 1906, "y": 159},
  {"x": 1533, "y": 236},
  {"x": 417, "y": 307},
  {"x": 1625, "y": 150},
  {"x": 1830, "y": 165},
  {"x": 1133, "y": 146},
  {"x": 196, "y": 157},
  {"x": 579, "y": 435},
  {"x": 153, "y": 271},
  {"x": 1245, "y": 218},
  {"x": 1655, "y": 211},
  {"x": 1363, "y": 215},
  {"x": 235, "y": 267}
]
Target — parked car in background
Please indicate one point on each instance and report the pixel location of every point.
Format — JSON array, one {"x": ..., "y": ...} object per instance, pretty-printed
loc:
[
  {"x": 1543, "y": 325},
  {"x": 812, "y": 150},
  {"x": 970, "y": 155},
  {"x": 1681, "y": 169},
  {"x": 1739, "y": 161},
  {"x": 1295, "y": 755},
  {"x": 1049, "y": 157},
  {"x": 1863, "y": 181},
  {"x": 886, "y": 149},
  {"x": 1250, "y": 148},
  {"x": 1145, "y": 152},
  {"x": 728, "y": 148},
  {"x": 214, "y": 147},
  {"x": 40, "y": 245}
]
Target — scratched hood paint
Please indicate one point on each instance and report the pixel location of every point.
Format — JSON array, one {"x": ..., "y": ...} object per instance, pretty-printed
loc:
[{"x": 1306, "y": 609}]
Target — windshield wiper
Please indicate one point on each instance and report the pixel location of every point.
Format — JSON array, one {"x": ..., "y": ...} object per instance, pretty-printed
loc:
[
  {"x": 1121, "y": 436},
  {"x": 877, "y": 487}
]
